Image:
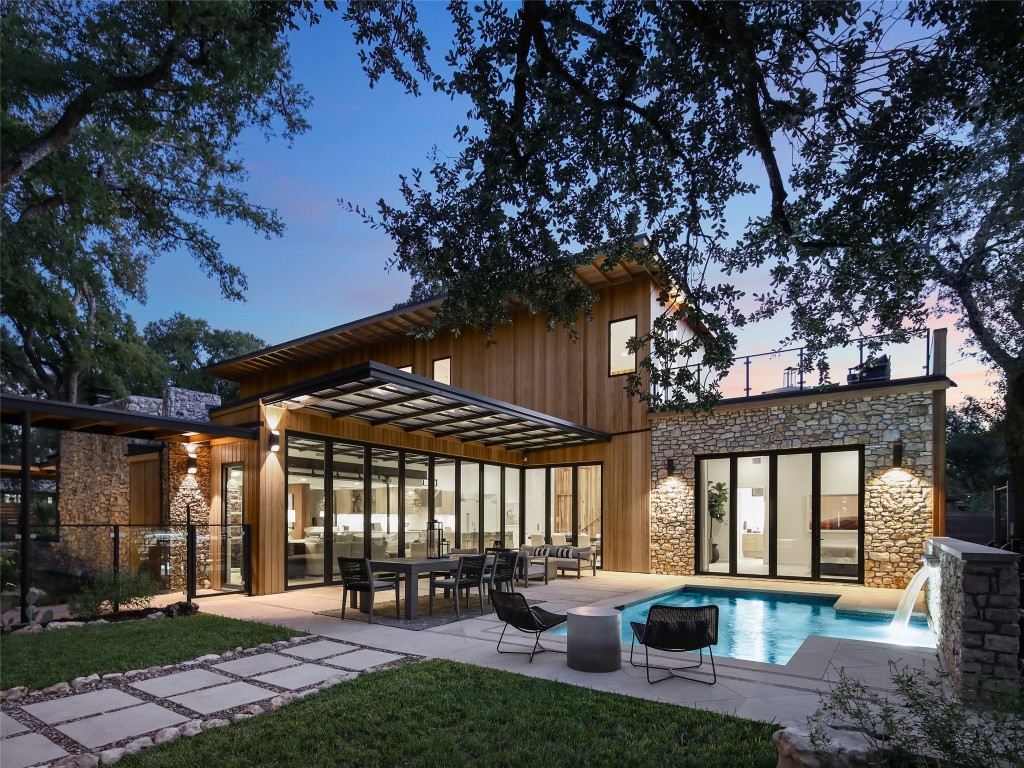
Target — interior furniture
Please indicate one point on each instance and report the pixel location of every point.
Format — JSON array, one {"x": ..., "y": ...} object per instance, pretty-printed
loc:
[
  {"x": 357, "y": 577},
  {"x": 410, "y": 569},
  {"x": 676, "y": 629},
  {"x": 570, "y": 559},
  {"x": 558, "y": 540},
  {"x": 595, "y": 639},
  {"x": 753, "y": 545},
  {"x": 468, "y": 574},
  {"x": 512, "y": 608}
]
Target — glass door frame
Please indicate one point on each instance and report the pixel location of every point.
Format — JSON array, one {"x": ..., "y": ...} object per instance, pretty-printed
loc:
[{"x": 772, "y": 455}]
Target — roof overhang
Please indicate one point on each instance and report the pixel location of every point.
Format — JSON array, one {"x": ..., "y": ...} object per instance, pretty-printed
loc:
[
  {"x": 383, "y": 396},
  {"x": 72, "y": 417}
]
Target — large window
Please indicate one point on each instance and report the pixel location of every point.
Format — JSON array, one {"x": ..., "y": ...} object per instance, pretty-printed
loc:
[
  {"x": 443, "y": 370},
  {"x": 350, "y": 500},
  {"x": 795, "y": 514},
  {"x": 620, "y": 359}
]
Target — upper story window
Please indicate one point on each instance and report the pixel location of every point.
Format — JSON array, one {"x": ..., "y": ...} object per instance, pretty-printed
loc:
[
  {"x": 443, "y": 370},
  {"x": 620, "y": 359}
]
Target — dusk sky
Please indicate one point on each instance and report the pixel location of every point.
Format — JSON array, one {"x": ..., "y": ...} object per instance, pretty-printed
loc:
[{"x": 329, "y": 268}]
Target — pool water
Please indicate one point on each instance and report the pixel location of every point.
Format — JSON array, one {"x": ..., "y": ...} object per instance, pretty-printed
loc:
[{"x": 771, "y": 626}]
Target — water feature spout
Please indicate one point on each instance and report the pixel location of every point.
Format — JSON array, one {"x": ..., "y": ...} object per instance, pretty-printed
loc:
[{"x": 901, "y": 619}]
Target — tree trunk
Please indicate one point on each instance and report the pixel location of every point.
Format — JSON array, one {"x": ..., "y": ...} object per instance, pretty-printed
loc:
[{"x": 1014, "y": 436}]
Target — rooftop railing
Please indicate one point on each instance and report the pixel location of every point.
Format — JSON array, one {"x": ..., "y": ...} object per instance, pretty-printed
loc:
[{"x": 868, "y": 359}]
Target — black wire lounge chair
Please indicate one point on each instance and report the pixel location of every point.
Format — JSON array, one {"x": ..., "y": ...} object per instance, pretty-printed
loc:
[
  {"x": 356, "y": 576},
  {"x": 513, "y": 609},
  {"x": 468, "y": 575},
  {"x": 677, "y": 629}
]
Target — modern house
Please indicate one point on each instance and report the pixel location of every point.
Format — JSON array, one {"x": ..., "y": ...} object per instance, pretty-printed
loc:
[{"x": 368, "y": 434}]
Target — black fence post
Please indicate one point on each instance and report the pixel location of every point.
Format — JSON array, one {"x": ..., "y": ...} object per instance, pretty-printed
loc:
[
  {"x": 190, "y": 563},
  {"x": 117, "y": 568},
  {"x": 23, "y": 513}
]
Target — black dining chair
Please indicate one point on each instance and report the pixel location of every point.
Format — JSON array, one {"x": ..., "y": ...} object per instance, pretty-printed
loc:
[
  {"x": 356, "y": 576},
  {"x": 468, "y": 575},
  {"x": 677, "y": 629},
  {"x": 503, "y": 574}
]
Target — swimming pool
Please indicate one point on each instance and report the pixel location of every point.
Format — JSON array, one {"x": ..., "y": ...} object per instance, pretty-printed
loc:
[{"x": 771, "y": 626}]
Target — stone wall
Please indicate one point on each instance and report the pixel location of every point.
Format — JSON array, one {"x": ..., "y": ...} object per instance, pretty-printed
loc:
[
  {"x": 973, "y": 599},
  {"x": 188, "y": 500},
  {"x": 897, "y": 505},
  {"x": 185, "y": 404},
  {"x": 93, "y": 490}
]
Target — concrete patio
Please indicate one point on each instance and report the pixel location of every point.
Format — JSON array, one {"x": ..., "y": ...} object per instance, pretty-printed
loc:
[{"x": 775, "y": 693}]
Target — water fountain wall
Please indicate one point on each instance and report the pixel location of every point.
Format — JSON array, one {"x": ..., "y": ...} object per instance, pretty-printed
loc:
[{"x": 973, "y": 599}]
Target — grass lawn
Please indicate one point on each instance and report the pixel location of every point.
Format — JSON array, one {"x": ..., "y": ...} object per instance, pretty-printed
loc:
[
  {"x": 441, "y": 713},
  {"x": 46, "y": 658}
]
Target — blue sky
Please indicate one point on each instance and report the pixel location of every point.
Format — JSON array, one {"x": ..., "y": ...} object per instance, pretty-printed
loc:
[{"x": 329, "y": 267}]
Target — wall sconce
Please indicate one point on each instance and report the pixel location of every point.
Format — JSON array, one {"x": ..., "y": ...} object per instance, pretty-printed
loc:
[
  {"x": 275, "y": 441},
  {"x": 893, "y": 436},
  {"x": 192, "y": 466},
  {"x": 671, "y": 467}
]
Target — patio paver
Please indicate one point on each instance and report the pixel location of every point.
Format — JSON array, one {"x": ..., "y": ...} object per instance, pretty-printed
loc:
[
  {"x": 82, "y": 705},
  {"x": 180, "y": 682},
  {"x": 302, "y": 676},
  {"x": 9, "y": 726},
  {"x": 256, "y": 665},
  {"x": 222, "y": 697},
  {"x": 101, "y": 730},
  {"x": 321, "y": 649},
  {"x": 29, "y": 749},
  {"x": 360, "y": 660}
]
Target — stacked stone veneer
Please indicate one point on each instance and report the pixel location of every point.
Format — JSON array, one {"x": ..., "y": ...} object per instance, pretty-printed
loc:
[
  {"x": 897, "y": 503},
  {"x": 973, "y": 598},
  {"x": 95, "y": 490}
]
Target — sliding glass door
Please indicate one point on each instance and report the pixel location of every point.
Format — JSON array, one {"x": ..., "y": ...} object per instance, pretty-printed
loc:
[{"x": 788, "y": 514}]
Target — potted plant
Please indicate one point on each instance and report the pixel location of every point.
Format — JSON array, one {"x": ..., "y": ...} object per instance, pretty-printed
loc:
[{"x": 718, "y": 501}]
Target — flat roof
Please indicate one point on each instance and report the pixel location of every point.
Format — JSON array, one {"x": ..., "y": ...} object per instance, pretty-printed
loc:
[
  {"x": 73, "y": 417},
  {"x": 395, "y": 323},
  {"x": 381, "y": 395}
]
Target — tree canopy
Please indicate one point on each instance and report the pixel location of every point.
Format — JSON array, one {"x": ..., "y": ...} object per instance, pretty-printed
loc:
[
  {"x": 119, "y": 132},
  {"x": 887, "y": 139}
]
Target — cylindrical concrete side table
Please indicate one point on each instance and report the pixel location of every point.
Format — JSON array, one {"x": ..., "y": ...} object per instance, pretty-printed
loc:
[{"x": 594, "y": 642}]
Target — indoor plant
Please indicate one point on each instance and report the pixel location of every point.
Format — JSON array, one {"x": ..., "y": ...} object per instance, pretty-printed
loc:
[{"x": 718, "y": 499}]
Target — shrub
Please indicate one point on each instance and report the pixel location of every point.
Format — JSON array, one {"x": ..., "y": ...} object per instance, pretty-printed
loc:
[
  {"x": 125, "y": 589},
  {"x": 925, "y": 722}
]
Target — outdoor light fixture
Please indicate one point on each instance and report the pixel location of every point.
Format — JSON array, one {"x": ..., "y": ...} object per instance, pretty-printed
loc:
[
  {"x": 192, "y": 467},
  {"x": 275, "y": 441},
  {"x": 671, "y": 467},
  {"x": 893, "y": 436}
]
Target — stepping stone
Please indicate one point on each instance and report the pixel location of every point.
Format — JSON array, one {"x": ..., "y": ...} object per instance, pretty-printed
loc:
[
  {"x": 105, "y": 729},
  {"x": 301, "y": 676},
  {"x": 222, "y": 697},
  {"x": 9, "y": 726},
  {"x": 364, "y": 659},
  {"x": 256, "y": 665},
  {"x": 29, "y": 749},
  {"x": 180, "y": 682},
  {"x": 321, "y": 649},
  {"x": 82, "y": 705}
]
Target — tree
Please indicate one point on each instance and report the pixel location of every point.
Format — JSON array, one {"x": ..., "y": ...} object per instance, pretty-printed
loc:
[
  {"x": 119, "y": 126},
  {"x": 188, "y": 345},
  {"x": 975, "y": 454},
  {"x": 888, "y": 137}
]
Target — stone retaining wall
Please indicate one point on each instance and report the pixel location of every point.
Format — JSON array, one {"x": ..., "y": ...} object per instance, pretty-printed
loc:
[
  {"x": 973, "y": 599},
  {"x": 897, "y": 505}
]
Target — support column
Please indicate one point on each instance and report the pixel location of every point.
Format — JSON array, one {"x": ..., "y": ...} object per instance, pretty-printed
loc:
[
  {"x": 26, "y": 502},
  {"x": 939, "y": 437}
]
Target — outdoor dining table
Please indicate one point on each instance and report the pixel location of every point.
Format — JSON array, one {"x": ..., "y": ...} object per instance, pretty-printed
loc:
[{"x": 410, "y": 568}]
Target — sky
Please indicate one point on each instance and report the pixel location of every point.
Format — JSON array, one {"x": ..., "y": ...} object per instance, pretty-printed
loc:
[{"x": 329, "y": 267}]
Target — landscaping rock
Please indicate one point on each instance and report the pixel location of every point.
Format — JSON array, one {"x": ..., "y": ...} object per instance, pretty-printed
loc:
[
  {"x": 848, "y": 749},
  {"x": 31, "y": 629},
  {"x": 14, "y": 694},
  {"x": 182, "y": 608},
  {"x": 157, "y": 616},
  {"x": 207, "y": 657},
  {"x": 113, "y": 676},
  {"x": 192, "y": 728},
  {"x": 80, "y": 682},
  {"x": 166, "y": 735},
  {"x": 64, "y": 624},
  {"x": 216, "y": 722},
  {"x": 254, "y": 709},
  {"x": 240, "y": 716},
  {"x": 281, "y": 644},
  {"x": 111, "y": 756},
  {"x": 138, "y": 745},
  {"x": 296, "y": 640},
  {"x": 58, "y": 688}
]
